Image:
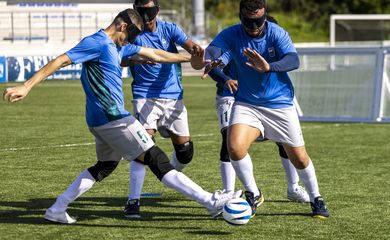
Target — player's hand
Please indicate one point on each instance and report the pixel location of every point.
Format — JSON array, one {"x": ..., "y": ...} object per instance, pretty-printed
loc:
[
  {"x": 257, "y": 62},
  {"x": 197, "y": 58},
  {"x": 210, "y": 66},
  {"x": 232, "y": 85},
  {"x": 15, "y": 94}
]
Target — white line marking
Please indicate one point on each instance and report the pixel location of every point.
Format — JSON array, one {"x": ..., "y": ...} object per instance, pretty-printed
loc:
[{"x": 89, "y": 144}]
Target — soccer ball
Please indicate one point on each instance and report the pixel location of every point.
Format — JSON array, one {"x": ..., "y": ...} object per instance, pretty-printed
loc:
[{"x": 237, "y": 211}]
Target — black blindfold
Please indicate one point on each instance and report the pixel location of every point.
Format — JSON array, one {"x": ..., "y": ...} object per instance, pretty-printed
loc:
[
  {"x": 253, "y": 23},
  {"x": 132, "y": 30},
  {"x": 147, "y": 13}
]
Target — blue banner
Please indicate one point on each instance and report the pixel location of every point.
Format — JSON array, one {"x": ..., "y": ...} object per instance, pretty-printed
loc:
[
  {"x": 3, "y": 72},
  {"x": 20, "y": 69},
  {"x": 23, "y": 68}
]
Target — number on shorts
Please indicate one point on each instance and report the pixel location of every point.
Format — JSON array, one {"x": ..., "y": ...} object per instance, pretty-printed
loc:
[
  {"x": 224, "y": 116},
  {"x": 143, "y": 137}
]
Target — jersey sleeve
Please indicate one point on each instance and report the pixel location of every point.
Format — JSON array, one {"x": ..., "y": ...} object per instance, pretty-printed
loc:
[
  {"x": 179, "y": 37},
  {"x": 283, "y": 43},
  {"x": 130, "y": 50},
  {"x": 219, "y": 48},
  {"x": 88, "y": 49}
]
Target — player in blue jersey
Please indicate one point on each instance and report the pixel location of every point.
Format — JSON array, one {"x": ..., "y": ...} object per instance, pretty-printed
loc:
[
  {"x": 157, "y": 96},
  {"x": 263, "y": 53},
  {"x": 226, "y": 89},
  {"x": 117, "y": 134}
]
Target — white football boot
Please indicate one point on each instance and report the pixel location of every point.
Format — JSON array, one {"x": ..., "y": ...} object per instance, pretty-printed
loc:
[
  {"x": 298, "y": 195},
  {"x": 61, "y": 217},
  {"x": 219, "y": 199}
]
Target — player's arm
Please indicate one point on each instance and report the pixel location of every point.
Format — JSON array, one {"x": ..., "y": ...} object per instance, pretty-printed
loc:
[
  {"x": 161, "y": 56},
  {"x": 191, "y": 47},
  {"x": 288, "y": 62},
  {"x": 219, "y": 76},
  {"x": 17, "y": 93}
]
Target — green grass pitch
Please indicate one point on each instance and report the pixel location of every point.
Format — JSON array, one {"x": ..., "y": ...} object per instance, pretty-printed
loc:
[{"x": 45, "y": 144}]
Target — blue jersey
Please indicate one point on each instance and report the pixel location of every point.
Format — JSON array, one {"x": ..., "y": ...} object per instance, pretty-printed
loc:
[
  {"x": 159, "y": 80},
  {"x": 101, "y": 77},
  {"x": 270, "y": 89}
]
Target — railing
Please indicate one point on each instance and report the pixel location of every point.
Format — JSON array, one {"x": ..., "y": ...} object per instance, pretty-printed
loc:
[{"x": 57, "y": 24}]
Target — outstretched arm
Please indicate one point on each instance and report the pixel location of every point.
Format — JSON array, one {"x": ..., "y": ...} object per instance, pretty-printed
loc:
[
  {"x": 161, "y": 56},
  {"x": 18, "y": 93}
]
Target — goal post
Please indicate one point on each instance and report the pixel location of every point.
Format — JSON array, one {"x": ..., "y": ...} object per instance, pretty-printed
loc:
[{"x": 363, "y": 29}]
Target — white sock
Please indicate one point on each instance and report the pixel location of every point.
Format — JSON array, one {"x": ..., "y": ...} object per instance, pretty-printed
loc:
[
  {"x": 228, "y": 176},
  {"x": 309, "y": 179},
  {"x": 137, "y": 176},
  {"x": 291, "y": 174},
  {"x": 83, "y": 183},
  {"x": 181, "y": 183},
  {"x": 176, "y": 164},
  {"x": 244, "y": 171}
]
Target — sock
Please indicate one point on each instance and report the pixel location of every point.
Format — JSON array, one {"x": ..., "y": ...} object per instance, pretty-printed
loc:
[
  {"x": 228, "y": 176},
  {"x": 83, "y": 183},
  {"x": 176, "y": 164},
  {"x": 181, "y": 183},
  {"x": 291, "y": 174},
  {"x": 244, "y": 171},
  {"x": 309, "y": 179},
  {"x": 137, "y": 176}
]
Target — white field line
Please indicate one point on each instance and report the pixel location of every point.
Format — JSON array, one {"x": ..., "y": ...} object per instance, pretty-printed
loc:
[{"x": 70, "y": 145}]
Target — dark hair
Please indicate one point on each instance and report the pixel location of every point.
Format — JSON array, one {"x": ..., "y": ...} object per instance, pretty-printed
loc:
[
  {"x": 252, "y": 5},
  {"x": 156, "y": 2},
  {"x": 271, "y": 19},
  {"x": 130, "y": 16}
]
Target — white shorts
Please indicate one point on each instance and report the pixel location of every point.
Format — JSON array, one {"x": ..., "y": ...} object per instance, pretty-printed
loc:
[
  {"x": 124, "y": 138},
  {"x": 224, "y": 109},
  {"x": 279, "y": 125},
  {"x": 163, "y": 115}
]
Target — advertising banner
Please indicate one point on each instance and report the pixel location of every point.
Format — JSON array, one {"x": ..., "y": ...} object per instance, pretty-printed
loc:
[{"x": 20, "y": 69}]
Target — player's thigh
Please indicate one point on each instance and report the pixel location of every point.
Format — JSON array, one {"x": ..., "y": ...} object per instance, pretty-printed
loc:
[
  {"x": 241, "y": 136},
  {"x": 174, "y": 121},
  {"x": 126, "y": 137},
  {"x": 224, "y": 109},
  {"x": 147, "y": 113}
]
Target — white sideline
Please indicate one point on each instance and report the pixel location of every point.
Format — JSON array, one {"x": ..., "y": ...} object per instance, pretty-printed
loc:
[
  {"x": 89, "y": 144},
  {"x": 74, "y": 145}
]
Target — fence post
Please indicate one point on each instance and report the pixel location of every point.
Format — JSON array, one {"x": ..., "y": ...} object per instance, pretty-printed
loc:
[{"x": 376, "y": 105}]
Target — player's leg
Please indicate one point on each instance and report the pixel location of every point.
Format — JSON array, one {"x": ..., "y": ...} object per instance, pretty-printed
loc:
[
  {"x": 282, "y": 125},
  {"x": 306, "y": 172},
  {"x": 184, "y": 151},
  {"x": 240, "y": 137},
  {"x": 295, "y": 192},
  {"x": 173, "y": 123},
  {"x": 108, "y": 160},
  {"x": 228, "y": 175},
  {"x": 147, "y": 114},
  {"x": 159, "y": 164}
]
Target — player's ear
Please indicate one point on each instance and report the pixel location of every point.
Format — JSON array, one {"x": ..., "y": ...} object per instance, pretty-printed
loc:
[{"x": 123, "y": 27}]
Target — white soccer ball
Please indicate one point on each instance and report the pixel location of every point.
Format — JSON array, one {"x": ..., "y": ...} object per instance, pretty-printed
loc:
[{"x": 237, "y": 211}]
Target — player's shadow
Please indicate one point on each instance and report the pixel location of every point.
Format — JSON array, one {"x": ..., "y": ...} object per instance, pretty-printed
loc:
[{"x": 90, "y": 208}]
